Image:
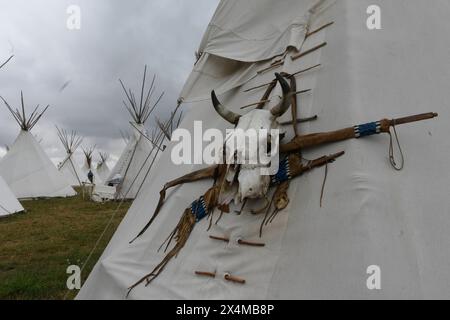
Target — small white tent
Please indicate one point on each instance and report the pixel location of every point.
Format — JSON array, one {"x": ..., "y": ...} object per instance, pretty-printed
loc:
[
  {"x": 103, "y": 170},
  {"x": 68, "y": 167},
  {"x": 26, "y": 168},
  {"x": 8, "y": 202},
  {"x": 89, "y": 168},
  {"x": 135, "y": 162},
  {"x": 372, "y": 218}
]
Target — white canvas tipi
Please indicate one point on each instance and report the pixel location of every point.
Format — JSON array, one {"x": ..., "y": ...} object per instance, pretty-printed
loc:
[
  {"x": 89, "y": 168},
  {"x": 373, "y": 219},
  {"x": 26, "y": 168},
  {"x": 103, "y": 170},
  {"x": 68, "y": 167},
  {"x": 8, "y": 202},
  {"x": 132, "y": 168}
]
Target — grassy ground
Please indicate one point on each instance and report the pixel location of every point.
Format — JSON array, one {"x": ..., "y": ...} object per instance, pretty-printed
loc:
[{"x": 37, "y": 247}]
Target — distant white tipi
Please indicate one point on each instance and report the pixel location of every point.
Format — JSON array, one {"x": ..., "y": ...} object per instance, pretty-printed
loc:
[
  {"x": 132, "y": 168},
  {"x": 89, "y": 171},
  {"x": 26, "y": 168},
  {"x": 103, "y": 170},
  {"x": 71, "y": 141}
]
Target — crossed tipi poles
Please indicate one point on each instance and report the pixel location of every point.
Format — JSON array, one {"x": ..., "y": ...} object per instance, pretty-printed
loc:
[{"x": 71, "y": 141}]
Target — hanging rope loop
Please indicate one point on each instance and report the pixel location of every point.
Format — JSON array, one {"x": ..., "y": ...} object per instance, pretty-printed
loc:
[{"x": 392, "y": 160}]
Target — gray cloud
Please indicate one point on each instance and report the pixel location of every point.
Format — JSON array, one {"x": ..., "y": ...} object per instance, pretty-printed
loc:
[{"x": 116, "y": 40}]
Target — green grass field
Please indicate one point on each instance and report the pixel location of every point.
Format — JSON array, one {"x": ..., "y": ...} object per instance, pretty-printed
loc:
[{"x": 36, "y": 247}]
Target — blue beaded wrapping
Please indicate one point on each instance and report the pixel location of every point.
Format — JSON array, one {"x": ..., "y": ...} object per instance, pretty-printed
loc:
[
  {"x": 368, "y": 129},
  {"x": 283, "y": 174},
  {"x": 198, "y": 209}
]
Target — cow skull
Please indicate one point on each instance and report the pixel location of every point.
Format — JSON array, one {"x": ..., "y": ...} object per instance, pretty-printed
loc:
[{"x": 253, "y": 184}]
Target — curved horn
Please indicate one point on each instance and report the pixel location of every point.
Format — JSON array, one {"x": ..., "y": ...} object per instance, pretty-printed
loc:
[
  {"x": 285, "y": 102},
  {"x": 228, "y": 115}
]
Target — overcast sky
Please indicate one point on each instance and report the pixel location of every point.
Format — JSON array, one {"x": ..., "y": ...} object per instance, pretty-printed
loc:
[{"x": 116, "y": 40}]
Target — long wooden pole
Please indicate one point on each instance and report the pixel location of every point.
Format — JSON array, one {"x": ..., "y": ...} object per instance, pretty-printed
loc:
[
  {"x": 316, "y": 139},
  {"x": 4, "y": 63}
]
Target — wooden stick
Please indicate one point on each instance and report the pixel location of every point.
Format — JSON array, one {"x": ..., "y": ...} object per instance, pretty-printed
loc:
[
  {"x": 301, "y": 120},
  {"x": 219, "y": 238},
  {"x": 254, "y": 104},
  {"x": 231, "y": 278},
  {"x": 260, "y": 86},
  {"x": 288, "y": 76},
  {"x": 415, "y": 118},
  {"x": 316, "y": 139},
  {"x": 305, "y": 70},
  {"x": 278, "y": 61},
  {"x": 302, "y": 91},
  {"x": 302, "y": 54},
  {"x": 4, "y": 63},
  {"x": 319, "y": 29},
  {"x": 205, "y": 274},
  {"x": 275, "y": 65},
  {"x": 268, "y": 100},
  {"x": 252, "y": 244}
]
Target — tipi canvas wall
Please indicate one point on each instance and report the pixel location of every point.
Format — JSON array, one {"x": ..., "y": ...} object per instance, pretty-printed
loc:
[
  {"x": 133, "y": 164},
  {"x": 8, "y": 202},
  {"x": 71, "y": 171},
  {"x": 371, "y": 214},
  {"x": 103, "y": 170}
]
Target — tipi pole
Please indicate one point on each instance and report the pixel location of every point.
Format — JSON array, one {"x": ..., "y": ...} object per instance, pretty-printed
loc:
[
  {"x": 75, "y": 171},
  {"x": 4, "y": 63}
]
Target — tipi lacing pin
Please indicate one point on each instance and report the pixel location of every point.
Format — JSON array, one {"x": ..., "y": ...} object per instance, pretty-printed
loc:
[
  {"x": 205, "y": 274},
  {"x": 234, "y": 279},
  {"x": 239, "y": 241},
  {"x": 226, "y": 276}
]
